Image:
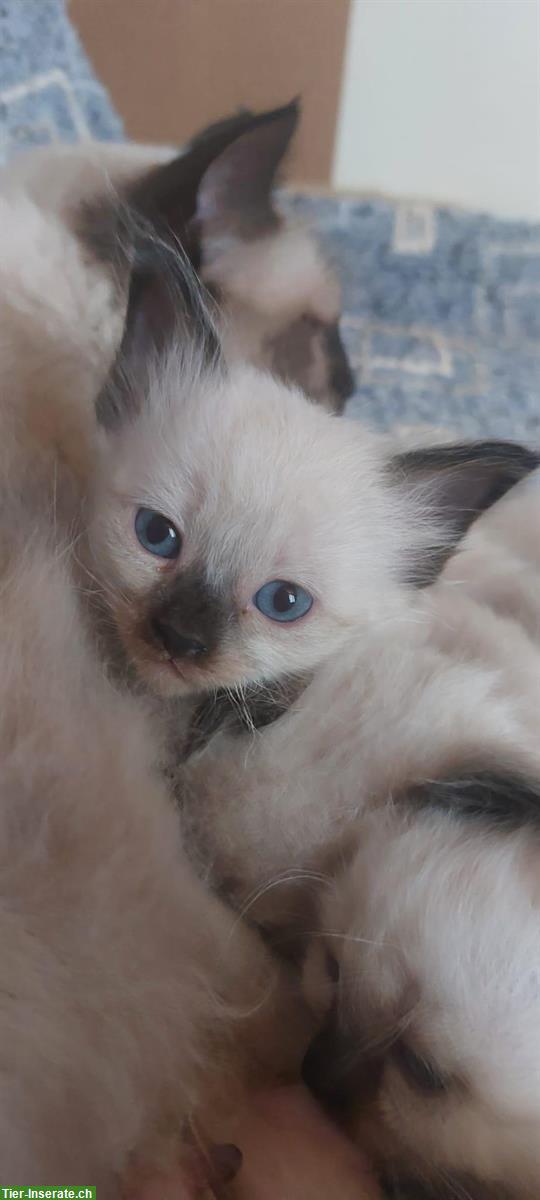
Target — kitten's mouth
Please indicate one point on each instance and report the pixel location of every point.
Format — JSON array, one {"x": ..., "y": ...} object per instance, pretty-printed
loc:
[
  {"x": 184, "y": 672},
  {"x": 168, "y": 677},
  {"x": 164, "y": 673}
]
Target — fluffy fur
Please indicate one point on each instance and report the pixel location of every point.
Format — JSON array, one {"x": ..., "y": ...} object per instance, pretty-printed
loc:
[
  {"x": 279, "y": 298},
  {"x": 126, "y": 990},
  {"x": 257, "y": 485},
  {"x": 247, "y": 472},
  {"x": 232, "y": 468},
  {"x": 128, "y": 996},
  {"x": 315, "y": 494},
  {"x": 332, "y": 820},
  {"x": 501, "y": 567}
]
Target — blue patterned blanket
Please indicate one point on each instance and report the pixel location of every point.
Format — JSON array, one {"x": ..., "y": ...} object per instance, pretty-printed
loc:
[{"x": 442, "y": 308}]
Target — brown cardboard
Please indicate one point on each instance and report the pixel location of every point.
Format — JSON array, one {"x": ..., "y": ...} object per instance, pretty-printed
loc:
[{"x": 171, "y": 66}]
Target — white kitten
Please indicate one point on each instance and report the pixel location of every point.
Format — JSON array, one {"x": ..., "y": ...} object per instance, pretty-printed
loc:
[
  {"x": 242, "y": 534},
  {"x": 231, "y": 504},
  {"x": 319, "y": 512}
]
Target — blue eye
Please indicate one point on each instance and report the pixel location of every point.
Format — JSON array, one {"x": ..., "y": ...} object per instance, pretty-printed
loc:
[
  {"x": 156, "y": 533},
  {"x": 282, "y": 601}
]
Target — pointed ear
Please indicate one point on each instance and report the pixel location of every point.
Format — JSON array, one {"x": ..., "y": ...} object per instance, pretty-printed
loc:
[
  {"x": 222, "y": 182},
  {"x": 455, "y": 484},
  {"x": 167, "y": 306},
  {"x": 235, "y": 193}
]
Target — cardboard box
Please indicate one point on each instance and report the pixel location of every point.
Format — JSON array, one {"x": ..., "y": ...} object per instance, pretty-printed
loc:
[{"x": 171, "y": 66}]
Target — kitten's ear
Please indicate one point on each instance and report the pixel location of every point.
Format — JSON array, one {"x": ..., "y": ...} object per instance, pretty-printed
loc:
[
  {"x": 455, "y": 484},
  {"x": 221, "y": 183},
  {"x": 167, "y": 306},
  {"x": 235, "y": 192}
]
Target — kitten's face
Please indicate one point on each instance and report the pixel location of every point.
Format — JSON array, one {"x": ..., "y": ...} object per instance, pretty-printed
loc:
[
  {"x": 433, "y": 1038},
  {"x": 241, "y": 531},
  {"x": 282, "y": 305}
]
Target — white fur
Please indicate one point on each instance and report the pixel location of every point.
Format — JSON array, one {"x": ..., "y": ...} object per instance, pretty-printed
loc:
[
  {"x": 447, "y": 686},
  {"x": 266, "y": 284},
  {"x": 453, "y": 914},
  {"x": 261, "y": 486},
  {"x": 501, "y": 565},
  {"x": 281, "y": 273},
  {"x": 393, "y": 704},
  {"x": 128, "y": 996},
  {"x": 450, "y": 909}
]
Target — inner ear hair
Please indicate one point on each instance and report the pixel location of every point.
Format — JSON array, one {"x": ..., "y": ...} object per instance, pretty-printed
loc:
[
  {"x": 454, "y": 484},
  {"x": 222, "y": 179},
  {"x": 235, "y": 192}
]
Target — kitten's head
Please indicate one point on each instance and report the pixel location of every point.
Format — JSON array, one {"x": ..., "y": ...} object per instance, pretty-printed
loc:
[
  {"x": 278, "y": 297},
  {"x": 430, "y": 975},
  {"x": 242, "y": 532},
  {"x": 279, "y": 294}
]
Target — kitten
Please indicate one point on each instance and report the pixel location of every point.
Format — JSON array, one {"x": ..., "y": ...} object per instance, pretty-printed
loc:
[
  {"x": 130, "y": 999},
  {"x": 391, "y": 819},
  {"x": 431, "y": 980},
  {"x": 242, "y": 534},
  {"x": 245, "y": 452},
  {"x": 395, "y": 811},
  {"x": 279, "y": 299}
]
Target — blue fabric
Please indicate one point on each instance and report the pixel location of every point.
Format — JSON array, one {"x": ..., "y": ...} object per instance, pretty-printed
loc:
[
  {"x": 48, "y": 91},
  {"x": 441, "y": 308},
  {"x": 441, "y": 314}
]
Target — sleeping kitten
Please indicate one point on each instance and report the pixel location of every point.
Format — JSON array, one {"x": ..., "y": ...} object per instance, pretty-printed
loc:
[
  {"x": 429, "y": 959},
  {"x": 393, "y": 812},
  {"x": 278, "y": 297}
]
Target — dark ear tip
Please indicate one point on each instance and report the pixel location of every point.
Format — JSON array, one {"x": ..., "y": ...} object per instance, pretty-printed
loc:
[
  {"x": 463, "y": 480},
  {"x": 289, "y": 113},
  {"x": 518, "y": 460},
  {"x": 295, "y": 105}
]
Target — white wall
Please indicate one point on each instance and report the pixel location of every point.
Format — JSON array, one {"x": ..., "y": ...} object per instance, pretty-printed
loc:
[{"x": 441, "y": 100}]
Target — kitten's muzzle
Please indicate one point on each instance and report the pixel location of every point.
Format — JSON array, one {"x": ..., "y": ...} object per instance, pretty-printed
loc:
[
  {"x": 187, "y": 617},
  {"x": 178, "y": 644}
]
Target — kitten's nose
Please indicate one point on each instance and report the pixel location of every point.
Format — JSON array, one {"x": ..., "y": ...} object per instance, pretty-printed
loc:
[{"x": 177, "y": 644}]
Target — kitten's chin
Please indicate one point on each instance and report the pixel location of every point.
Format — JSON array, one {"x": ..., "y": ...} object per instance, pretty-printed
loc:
[
  {"x": 155, "y": 669},
  {"x": 166, "y": 678}
]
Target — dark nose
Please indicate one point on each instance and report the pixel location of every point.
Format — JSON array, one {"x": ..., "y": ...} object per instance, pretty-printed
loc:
[{"x": 177, "y": 644}]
